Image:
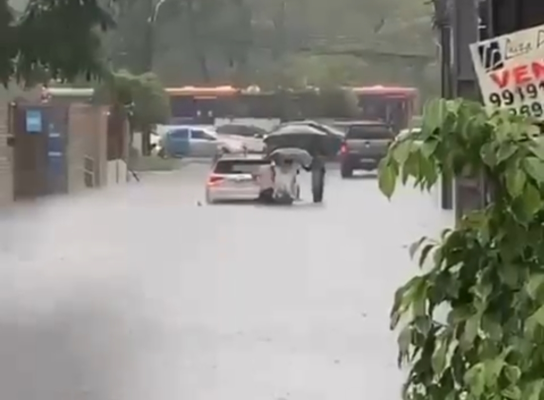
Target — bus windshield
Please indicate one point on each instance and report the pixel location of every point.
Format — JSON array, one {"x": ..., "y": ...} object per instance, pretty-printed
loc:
[{"x": 395, "y": 111}]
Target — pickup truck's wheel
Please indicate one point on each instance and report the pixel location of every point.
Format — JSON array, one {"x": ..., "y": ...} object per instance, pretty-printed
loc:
[{"x": 346, "y": 172}]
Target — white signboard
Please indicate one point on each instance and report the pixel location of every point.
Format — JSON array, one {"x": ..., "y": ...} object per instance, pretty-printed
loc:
[{"x": 510, "y": 71}]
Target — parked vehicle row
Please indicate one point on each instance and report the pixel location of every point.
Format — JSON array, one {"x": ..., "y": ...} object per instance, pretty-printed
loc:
[{"x": 360, "y": 145}]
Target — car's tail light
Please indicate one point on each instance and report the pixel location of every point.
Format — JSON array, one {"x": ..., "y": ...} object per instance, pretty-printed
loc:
[
  {"x": 343, "y": 149},
  {"x": 215, "y": 180}
]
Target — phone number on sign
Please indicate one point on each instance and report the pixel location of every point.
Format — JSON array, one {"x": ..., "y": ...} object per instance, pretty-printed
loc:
[{"x": 511, "y": 99}]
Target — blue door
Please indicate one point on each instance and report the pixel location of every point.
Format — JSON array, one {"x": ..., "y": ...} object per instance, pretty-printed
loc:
[
  {"x": 177, "y": 142},
  {"x": 57, "y": 181}
]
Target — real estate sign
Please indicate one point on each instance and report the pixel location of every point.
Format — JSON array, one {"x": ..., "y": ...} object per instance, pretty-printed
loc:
[{"x": 510, "y": 71}]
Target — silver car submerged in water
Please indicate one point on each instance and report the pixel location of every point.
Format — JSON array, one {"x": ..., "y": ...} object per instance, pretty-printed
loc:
[{"x": 235, "y": 178}]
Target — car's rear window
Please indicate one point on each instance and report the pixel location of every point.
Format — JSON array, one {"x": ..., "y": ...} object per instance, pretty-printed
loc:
[
  {"x": 238, "y": 166},
  {"x": 369, "y": 132}
]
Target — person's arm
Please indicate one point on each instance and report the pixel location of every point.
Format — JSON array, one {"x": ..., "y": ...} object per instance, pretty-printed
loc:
[{"x": 308, "y": 167}]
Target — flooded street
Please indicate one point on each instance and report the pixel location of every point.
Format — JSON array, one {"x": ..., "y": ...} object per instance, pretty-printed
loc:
[{"x": 140, "y": 293}]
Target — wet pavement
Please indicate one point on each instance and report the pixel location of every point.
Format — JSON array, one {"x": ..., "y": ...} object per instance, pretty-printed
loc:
[{"x": 139, "y": 293}]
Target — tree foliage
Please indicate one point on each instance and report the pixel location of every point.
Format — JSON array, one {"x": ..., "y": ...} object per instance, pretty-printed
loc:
[
  {"x": 197, "y": 31},
  {"x": 486, "y": 274},
  {"x": 317, "y": 70},
  {"x": 59, "y": 36},
  {"x": 273, "y": 42},
  {"x": 143, "y": 95}
]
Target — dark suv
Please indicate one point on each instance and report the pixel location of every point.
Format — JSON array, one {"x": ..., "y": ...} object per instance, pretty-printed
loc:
[{"x": 365, "y": 144}]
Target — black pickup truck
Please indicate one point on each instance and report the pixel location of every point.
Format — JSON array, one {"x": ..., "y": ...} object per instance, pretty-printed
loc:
[{"x": 365, "y": 144}]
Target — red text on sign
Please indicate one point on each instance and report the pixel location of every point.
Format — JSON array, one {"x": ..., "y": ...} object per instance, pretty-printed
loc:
[{"x": 519, "y": 75}]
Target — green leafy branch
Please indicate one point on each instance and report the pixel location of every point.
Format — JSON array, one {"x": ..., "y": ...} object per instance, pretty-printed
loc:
[
  {"x": 471, "y": 324},
  {"x": 143, "y": 95}
]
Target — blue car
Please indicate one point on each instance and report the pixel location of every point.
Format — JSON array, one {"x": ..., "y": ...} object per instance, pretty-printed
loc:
[{"x": 195, "y": 141}]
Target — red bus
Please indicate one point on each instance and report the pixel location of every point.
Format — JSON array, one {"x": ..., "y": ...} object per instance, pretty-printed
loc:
[
  {"x": 199, "y": 104},
  {"x": 395, "y": 105}
]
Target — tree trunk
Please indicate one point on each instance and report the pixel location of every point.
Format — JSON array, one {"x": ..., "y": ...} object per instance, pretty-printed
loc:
[
  {"x": 149, "y": 39},
  {"x": 146, "y": 142},
  {"x": 243, "y": 34},
  {"x": 203, "y": 65},
  {"x": 198, "y": 46},
  {"x": 279, "y": 21}
]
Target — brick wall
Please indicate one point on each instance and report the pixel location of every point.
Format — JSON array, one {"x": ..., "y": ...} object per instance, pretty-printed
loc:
[
  {"x": 13, "y": 93},
  {"x": 87, "y": 137}
]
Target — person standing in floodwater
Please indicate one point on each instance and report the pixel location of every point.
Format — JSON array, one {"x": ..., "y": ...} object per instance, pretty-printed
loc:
[
  {"x": 318, "y": 178},
  {"x": 317, "y": 169}
]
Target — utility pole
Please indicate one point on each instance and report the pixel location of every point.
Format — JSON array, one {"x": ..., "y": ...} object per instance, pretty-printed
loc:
[
  {"x": 469, "y": 192},
  {"x": 149, "y": 55},
  {"x": 280, "y": 42},
  {"x": 443, "y": 24},
  {"x": 458, "y": 21}
]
